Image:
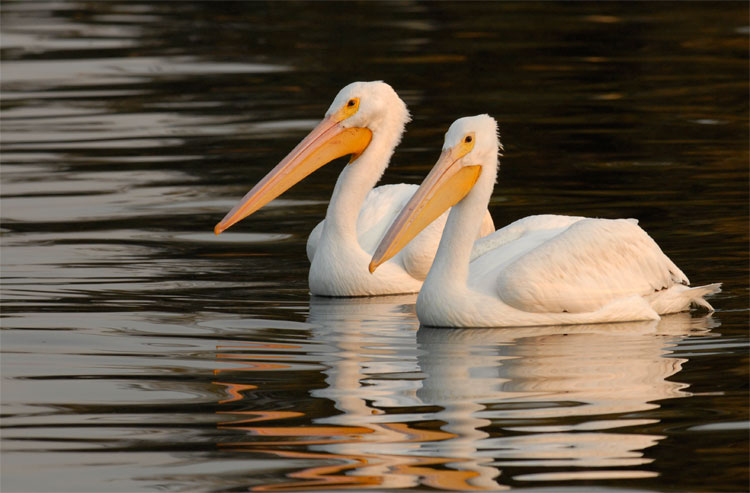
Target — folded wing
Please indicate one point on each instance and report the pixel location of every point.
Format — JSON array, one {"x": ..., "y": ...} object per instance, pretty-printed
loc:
[{"x": 587, "y": 265}]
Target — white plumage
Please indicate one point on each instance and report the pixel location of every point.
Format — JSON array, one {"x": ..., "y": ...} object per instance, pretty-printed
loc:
[
  {"x": 540, "y": 270},
  {"x": 338, "y": 265},
  {"x": 366, "y": 120},
  {"x": 381, "y": 205}
]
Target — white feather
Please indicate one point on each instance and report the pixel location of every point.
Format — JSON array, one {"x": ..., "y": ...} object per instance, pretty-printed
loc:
[
  {"x": 381, "y": 206},
  {"x": 545, "y": 270}
]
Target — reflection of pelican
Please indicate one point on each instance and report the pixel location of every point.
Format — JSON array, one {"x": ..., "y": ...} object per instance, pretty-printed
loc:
[
  {"x": 365, "y": 120},
  {"x": 369, "y": 335},
  {"x": 540, "y": 270},
  {"x": 451, "y": 409},
  {"x": 372, "y": 364},
  {"x": 554, "y": 391},
  {"x": 374, "y": 339}
]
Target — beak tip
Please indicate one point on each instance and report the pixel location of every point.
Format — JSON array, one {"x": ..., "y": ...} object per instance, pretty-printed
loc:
[
  {"x": 218, "y": 229},
  {"x": 372, "y": 266}
]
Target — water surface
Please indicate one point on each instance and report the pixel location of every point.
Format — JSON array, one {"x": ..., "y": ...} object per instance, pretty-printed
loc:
[{"x": 140, "y": 352}]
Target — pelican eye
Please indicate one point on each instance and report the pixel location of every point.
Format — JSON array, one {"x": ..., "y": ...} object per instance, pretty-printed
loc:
[
  {"x": 348, "y": 109},
  {"x": 468, "y": 139}
]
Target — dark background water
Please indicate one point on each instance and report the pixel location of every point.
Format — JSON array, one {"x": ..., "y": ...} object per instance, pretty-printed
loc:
[{"x": 140, "y": 352}]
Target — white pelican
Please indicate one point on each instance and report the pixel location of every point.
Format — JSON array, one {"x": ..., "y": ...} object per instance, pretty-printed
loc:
[
  {"x": 540, "y": 270},
  {"x": 366, "y": 120}
]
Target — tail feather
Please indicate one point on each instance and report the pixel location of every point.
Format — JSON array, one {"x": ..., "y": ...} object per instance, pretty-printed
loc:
[
  {"x": 697, "y": 294},
  {"x": 679, "y": 298}
]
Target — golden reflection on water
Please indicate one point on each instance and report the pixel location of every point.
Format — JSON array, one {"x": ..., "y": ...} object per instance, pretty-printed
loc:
[{"x": 452, "y": 408}]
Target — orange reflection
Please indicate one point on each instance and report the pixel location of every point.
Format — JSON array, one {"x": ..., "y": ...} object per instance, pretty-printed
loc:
[
  {"x": 255, "y": 365},
  {"x": 234, "y": 389},
  {"x": 260, "y": 415},
  {"x": 323, "y": 477},
  {"x": 414, "y": 470},
  {"x": 258, "y": 345}
]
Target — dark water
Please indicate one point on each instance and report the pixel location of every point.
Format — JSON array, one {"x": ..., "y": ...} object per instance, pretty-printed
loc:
[{"x": 141, "y": 353}]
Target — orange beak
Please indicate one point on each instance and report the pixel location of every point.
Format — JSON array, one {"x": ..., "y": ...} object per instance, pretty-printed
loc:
[
  {"x": 326, "y": 142},
  {"x": 444, "y": 187}
]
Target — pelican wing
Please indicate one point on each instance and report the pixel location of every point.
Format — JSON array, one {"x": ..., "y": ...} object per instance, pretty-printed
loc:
[
  {"x": 530, "y": 225},
  {"x": 382, "y": 205},
  {"x": 585, "y": 266}
]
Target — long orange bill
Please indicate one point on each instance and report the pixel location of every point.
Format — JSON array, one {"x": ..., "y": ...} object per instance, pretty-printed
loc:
[
  {"x": 444, "y": 187},
  {"x": 328, "y": 141}
]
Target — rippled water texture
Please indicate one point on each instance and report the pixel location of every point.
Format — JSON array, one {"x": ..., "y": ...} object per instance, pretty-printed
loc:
[{"x": 142, "y": 353}]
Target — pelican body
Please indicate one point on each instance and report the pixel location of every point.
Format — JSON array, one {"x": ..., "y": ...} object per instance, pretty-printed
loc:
[
  {"x": 366, "y": 120},
  {"x": 540, "y": 270}
]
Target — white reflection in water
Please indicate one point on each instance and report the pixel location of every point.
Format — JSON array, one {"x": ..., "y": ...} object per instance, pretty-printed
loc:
[{"x": 523, "y": 397}]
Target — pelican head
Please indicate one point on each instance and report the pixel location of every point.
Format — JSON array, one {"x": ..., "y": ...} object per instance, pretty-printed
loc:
[
  {"x": 378, "y": 107},
  {"x": 359, "y": 114},
  {"x": 470, "y": 149}
]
